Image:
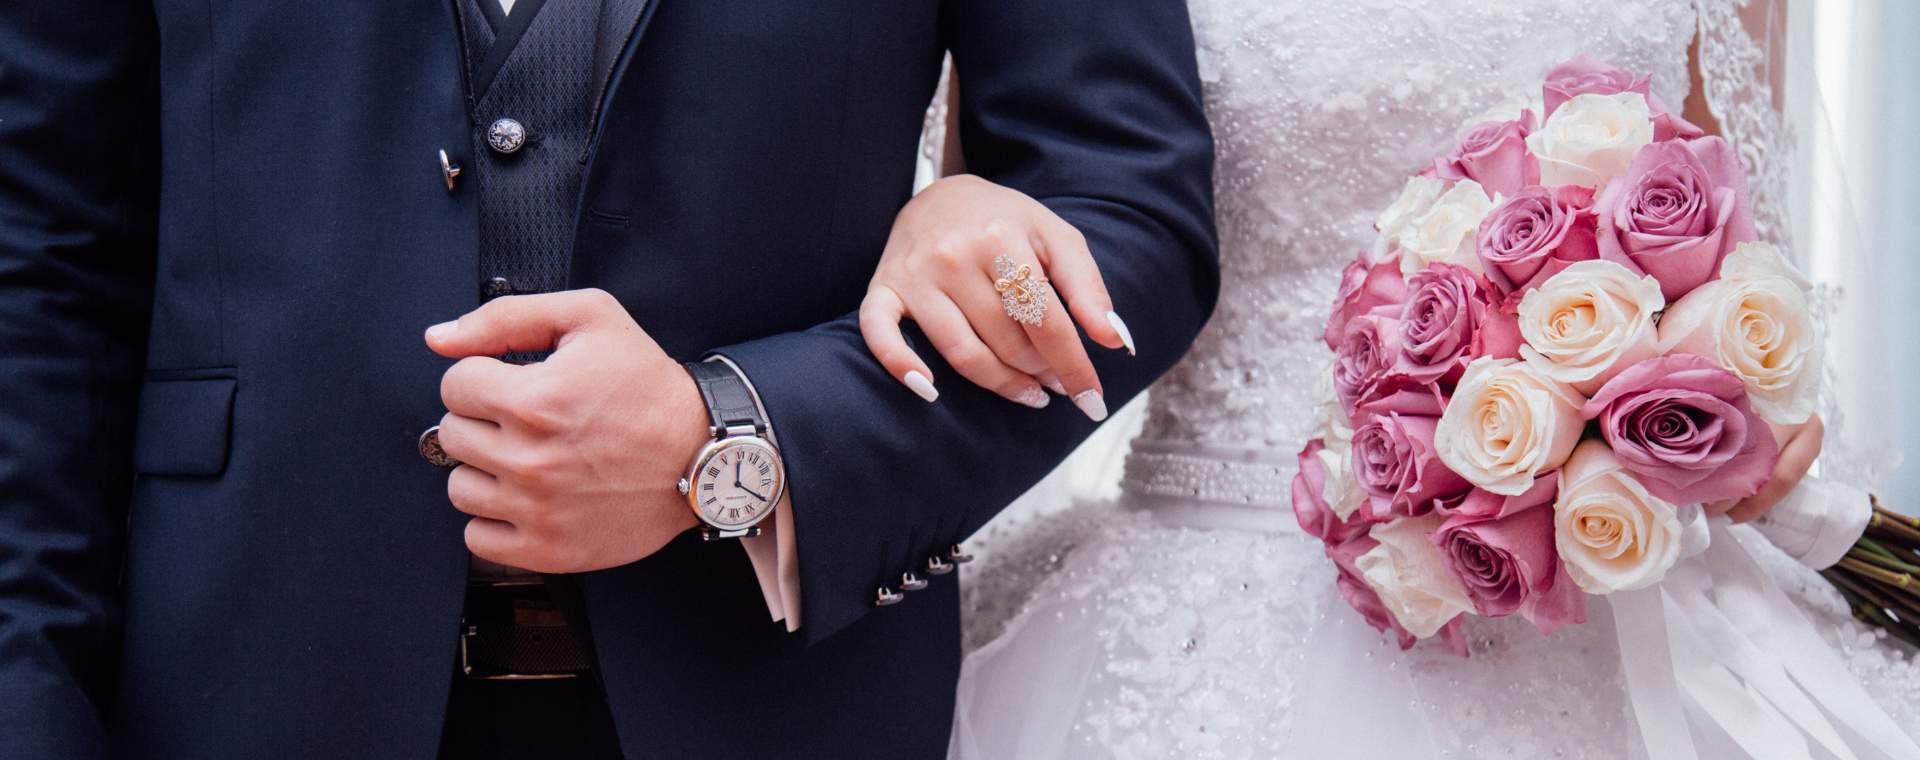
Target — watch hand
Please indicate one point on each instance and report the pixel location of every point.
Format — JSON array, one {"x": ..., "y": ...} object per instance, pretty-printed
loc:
[
  {"x": 736, "y": 474},
  {"x": 751, "y": 493}
]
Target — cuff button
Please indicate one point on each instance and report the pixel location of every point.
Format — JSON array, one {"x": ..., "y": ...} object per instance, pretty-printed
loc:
[
  {"x": 959, "y": 555},
  {"x": 887, "y": 597},
  {"x": 912, "y": 582},
  {"x": 938, "y": 566}
]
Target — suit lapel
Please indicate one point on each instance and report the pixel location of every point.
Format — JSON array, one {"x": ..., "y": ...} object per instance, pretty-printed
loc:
[{"x": 622, "y": 24}]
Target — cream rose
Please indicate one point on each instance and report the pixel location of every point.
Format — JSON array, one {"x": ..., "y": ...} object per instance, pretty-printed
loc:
[
  {"x": 1591, "y": 139},
  {"x": 1755, "y": 322},
  {"x": 1335, "y": 427},
  {"x": 1339, "y": 490},
  {"x": 1411, "y": 578},
  {"x": 1418, "y": 195},
  {"x": 1507, "y": 424},
  {"x": 1612, "y": 534},
  {"x": 1446, "y": 231},
  {"x": 1590, "y": 322}
]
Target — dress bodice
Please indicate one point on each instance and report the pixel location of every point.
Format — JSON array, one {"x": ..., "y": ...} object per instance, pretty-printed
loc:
[{"x": 1321, "y": 110}]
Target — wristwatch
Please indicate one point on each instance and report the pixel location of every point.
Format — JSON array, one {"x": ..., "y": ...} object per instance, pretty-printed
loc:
[{"x": 736, "y": 478}]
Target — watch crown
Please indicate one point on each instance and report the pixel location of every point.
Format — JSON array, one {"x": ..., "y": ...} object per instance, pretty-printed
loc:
[{"x": 684, "y": 486}]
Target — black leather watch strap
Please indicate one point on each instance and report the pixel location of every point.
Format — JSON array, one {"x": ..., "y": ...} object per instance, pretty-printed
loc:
[{"x": 729, "y": 403}]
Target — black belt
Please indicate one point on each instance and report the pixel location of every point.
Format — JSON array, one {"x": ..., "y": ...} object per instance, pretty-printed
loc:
[{"x": 514, "y": 631}]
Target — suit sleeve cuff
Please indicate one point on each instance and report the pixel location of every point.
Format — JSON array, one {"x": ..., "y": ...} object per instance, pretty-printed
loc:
[{"x": 776, "y": 561}]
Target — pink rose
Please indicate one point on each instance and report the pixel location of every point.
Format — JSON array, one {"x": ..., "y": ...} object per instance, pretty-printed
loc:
[
  {"x": 1483, "y": 503},
  {"x": 1679, "y": 209},
  {"x": 1494, "y": 154},
  {"x": 1449, "y": 320},
  {"x": 1535, "y": 234},
  {"x": 1586, "y": 75},
  {"x": 1310, "y": 507},
  {"x": 1360, "y": 596},
  {"x": 1684, "y": 427},
  {"x": 1509, "y": 564},
  {"x": 1404, "y": 397},
  {"x": 1364, "y": 286},
  {"x": 1395, "y": 463},
  {"x": 1363, "y": 360}
]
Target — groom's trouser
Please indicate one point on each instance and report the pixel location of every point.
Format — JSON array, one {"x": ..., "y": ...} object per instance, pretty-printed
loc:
[{"x": 528, "y": 720}]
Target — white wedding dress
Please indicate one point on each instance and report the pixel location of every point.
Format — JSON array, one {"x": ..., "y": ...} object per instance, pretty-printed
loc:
[{"x": 1191, "y": 618}]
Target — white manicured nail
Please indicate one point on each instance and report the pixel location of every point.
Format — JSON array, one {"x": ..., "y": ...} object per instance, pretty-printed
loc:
[
  {"x": 921, "y": 386},
  {"x": 1032, "y": 396},
  {"x": 1120, "y": 326},
  {"x": 1092, "y": 403}
]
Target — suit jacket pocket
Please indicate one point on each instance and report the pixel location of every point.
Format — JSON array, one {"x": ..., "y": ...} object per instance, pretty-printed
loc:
[{"x": 184, "y": 423}]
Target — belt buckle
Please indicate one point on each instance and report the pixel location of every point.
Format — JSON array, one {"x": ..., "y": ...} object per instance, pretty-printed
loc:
[{"x": 467, "y": 669}]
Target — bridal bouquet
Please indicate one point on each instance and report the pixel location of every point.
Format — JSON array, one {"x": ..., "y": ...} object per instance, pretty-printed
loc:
[{"x": 1565, "y": 342}]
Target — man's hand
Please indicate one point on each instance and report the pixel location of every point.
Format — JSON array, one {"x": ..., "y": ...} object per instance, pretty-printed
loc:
[{"x": 569, "y": 464}]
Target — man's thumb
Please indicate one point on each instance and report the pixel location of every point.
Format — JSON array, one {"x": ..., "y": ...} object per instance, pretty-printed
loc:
[{"x": 514, "y": 324}]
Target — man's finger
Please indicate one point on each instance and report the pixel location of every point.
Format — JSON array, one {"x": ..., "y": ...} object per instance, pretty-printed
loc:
[
  {"x": 496, "y": 542},
  {"x": 475, "y": 492},
  {"x": 880, "y": 314},
  {"x": 477, "y": 443},
  {"x": 513, "y": 324},
  {"x": 475, "y": 387}
]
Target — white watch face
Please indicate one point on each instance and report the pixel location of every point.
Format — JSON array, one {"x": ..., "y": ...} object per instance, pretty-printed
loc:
[{"x": 738, "y": 484}]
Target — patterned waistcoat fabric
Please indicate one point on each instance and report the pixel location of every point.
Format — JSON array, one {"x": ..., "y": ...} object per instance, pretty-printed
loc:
[{"x": 535, "y": 66}]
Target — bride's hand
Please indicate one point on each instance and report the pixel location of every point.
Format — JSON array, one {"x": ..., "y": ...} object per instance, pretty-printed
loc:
[
  {"x": 1799, "y": 446},
  {"x": 938, "y": 270}
]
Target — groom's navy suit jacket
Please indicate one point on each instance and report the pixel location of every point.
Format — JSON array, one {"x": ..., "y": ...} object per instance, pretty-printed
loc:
[{"x": 223, "y": 228}]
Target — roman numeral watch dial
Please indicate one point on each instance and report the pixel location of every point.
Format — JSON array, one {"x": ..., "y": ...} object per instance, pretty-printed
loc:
[
  {"x": 737, "y": 477},
  {"x": 738, "y": 483}
]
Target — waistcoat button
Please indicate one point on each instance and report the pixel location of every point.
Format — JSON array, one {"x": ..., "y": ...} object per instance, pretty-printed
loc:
[{"x": 506, "y": 136}]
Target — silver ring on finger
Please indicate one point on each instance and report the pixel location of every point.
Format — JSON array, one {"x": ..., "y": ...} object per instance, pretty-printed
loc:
[{"x": 1023, "y": 293}]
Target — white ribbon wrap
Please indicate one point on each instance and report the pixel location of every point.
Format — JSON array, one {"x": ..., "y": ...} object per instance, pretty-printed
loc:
[
  {"x": 1720, "y": 663},
  {"x": 1817, "y": 522}
]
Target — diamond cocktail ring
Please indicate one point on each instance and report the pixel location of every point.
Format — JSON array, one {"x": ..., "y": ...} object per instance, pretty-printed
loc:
[{"x": 1022, "y": 293}]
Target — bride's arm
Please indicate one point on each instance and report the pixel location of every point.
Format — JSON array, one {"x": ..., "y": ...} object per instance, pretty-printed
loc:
[{"x": 1099, "y": 121}]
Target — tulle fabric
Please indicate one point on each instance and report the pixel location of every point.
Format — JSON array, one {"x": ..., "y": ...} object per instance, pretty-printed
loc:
[{"x": 1155, "y": 640}]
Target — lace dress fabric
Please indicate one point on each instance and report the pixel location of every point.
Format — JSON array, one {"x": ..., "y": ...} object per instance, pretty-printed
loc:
[{"x": 1192, "y": 619}]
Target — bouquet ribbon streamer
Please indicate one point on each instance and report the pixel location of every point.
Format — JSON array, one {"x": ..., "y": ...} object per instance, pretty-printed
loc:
[{"x": 1720, "y": 663}]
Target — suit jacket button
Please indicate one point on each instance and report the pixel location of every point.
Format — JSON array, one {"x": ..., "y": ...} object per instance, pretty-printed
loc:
[
  {"x": 506, "y": 136},
  {"x": 887, "y": 597},
  {"x": 448, "y": 170},
  {"x": 430, "y": 449}
]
